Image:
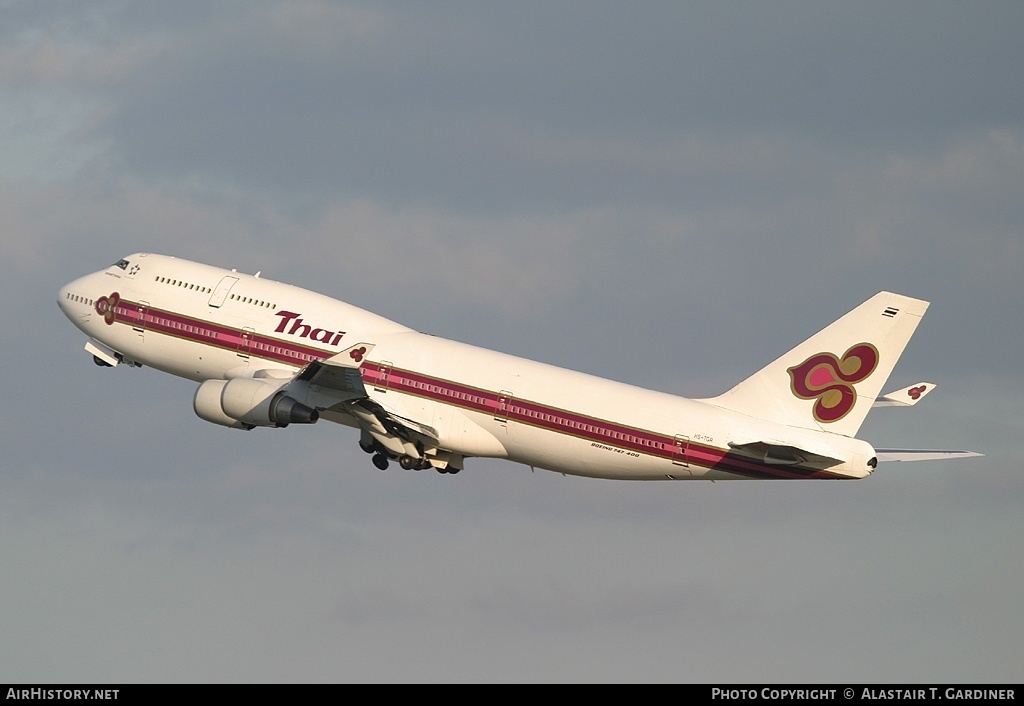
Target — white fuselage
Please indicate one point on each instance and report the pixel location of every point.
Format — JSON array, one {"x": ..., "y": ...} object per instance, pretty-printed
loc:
[{"x": 180, "y": 317}]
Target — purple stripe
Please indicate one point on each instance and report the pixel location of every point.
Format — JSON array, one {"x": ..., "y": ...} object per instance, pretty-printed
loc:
[{"x": 210, "y": 334}]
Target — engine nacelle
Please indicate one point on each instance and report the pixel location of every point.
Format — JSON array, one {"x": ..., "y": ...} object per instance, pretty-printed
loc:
[
  {"x": 206, "y": 403},
  {"x": 244, "y": 403}
]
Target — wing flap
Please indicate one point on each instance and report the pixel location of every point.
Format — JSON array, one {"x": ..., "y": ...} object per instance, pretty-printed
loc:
[{"x": 373, "y": 414}]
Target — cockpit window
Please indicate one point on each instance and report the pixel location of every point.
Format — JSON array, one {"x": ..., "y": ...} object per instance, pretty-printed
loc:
[{"x": 123, "y": 264}]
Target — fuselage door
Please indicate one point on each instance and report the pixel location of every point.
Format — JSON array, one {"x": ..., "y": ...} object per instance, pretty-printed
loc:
[
  {"x": 504, "y": 401},
  {"x": 382, "y": 376},
  {"x": 139, "y": 318},
  {"x": 220, "y": 294},
  {"x": 679, "y": 451},
  {"x": 245, "y": 337}
]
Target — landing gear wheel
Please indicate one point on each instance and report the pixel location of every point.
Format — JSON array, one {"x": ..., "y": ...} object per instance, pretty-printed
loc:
[
  {"x": 407, "y": 462},
  {"x": 367, "y": 448},
  {"x": 381, "y": 462}
]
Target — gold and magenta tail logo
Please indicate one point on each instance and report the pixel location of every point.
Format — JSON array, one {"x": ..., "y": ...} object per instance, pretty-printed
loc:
[{"x": 829, "y": 380}]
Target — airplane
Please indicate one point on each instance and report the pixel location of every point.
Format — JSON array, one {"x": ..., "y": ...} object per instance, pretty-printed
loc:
[{"x": 268, "y": 354}]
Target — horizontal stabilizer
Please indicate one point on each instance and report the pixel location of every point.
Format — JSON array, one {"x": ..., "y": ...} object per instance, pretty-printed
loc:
[
  {"x": 921, "y": 454},
  {"x": 907, "y": 397}
]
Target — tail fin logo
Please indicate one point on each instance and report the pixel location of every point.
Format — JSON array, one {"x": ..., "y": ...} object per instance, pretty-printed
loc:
[{"x": 829, "y": 380}]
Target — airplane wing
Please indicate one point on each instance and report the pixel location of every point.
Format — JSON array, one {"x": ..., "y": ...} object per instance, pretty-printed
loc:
[
  {"x": 907, "y": 397},
  {"x": 339, "y": 385},
  {"x": 339, "y": 373},
  {"x": 920, "y": 454}
]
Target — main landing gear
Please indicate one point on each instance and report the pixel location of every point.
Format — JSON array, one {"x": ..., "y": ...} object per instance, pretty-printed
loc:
[{"x": 381, "y": 460}]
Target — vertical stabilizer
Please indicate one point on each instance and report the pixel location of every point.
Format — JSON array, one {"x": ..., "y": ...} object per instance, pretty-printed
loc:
[{"x": 830, "y": 381}]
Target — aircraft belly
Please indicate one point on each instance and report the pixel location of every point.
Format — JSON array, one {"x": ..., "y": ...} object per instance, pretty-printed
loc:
[
  {"x": 464, "y": 433},
  {"x": 173, "y": 355},
  {"x": 570, "y": 455}
]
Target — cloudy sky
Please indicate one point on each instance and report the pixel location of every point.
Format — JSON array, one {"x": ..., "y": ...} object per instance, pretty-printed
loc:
[{"x": 669, "y": 194}]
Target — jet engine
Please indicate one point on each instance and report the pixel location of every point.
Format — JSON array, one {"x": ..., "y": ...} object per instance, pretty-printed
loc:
[{"x": 244, "y": 403}]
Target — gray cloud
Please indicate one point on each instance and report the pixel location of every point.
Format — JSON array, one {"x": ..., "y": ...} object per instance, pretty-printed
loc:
[{"x": 461, "y": 105}]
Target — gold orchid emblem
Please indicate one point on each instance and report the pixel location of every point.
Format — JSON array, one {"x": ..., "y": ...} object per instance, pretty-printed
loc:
[{"x": 107, "y": 307}]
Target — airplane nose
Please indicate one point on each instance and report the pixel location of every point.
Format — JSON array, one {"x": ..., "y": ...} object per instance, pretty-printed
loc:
[
  {"x": 71, "y": 298},
  {"x": 64, "y": 297}
]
